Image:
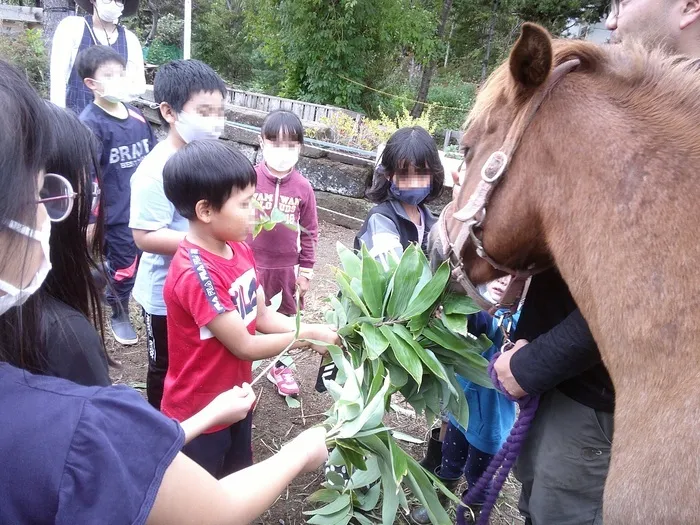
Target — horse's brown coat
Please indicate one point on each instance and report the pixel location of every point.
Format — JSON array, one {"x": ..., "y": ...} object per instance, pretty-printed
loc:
[{"x": 604, "y": 184}]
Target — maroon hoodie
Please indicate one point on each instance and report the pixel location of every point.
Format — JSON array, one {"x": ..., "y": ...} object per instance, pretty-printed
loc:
[{"x": 282, "y": 249}]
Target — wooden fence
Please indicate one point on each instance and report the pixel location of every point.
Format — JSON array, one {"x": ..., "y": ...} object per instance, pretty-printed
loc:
[{"x": 304, "y": 110}]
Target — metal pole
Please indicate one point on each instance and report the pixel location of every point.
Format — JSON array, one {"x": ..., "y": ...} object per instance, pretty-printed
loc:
[{"x": 188, "y": 30}]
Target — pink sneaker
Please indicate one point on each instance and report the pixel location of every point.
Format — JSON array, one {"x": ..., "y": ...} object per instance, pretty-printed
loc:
[{"x": 282, "y": 378}]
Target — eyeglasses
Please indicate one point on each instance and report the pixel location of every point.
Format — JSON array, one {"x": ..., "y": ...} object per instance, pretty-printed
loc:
[
  {"x": 120, "y": 3},
  {"x": 57, "y": 196}
]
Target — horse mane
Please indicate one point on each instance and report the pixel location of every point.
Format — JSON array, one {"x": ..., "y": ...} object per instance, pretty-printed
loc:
[{"x": 635, "y": 77}]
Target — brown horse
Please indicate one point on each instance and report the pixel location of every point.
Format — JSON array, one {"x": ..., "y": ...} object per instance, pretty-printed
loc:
[{"x": 600, "y": 182}]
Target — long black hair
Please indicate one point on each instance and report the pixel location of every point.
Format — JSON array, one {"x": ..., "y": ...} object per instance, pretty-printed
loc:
[
  {"x": 69, "y": 149},
  {"x": 407, "y": 147}
]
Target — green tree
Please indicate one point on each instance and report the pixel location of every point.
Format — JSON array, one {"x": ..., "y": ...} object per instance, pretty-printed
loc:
[{"x": 320, "y": 43}]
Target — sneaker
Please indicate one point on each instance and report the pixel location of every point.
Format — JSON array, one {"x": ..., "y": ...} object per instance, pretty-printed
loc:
[
  {"x": 284, "y": 381},
  {"x": 122, "y": 330}
]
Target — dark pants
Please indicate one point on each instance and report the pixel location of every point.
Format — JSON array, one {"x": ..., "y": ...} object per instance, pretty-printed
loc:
[
  {"x": 157, "y": 335},
  {"x": 226, "y": 451},
  {"x": 121, "y": 261},
  {"x": 564, "y": 462},
  {"x": 459, "y": 456}
]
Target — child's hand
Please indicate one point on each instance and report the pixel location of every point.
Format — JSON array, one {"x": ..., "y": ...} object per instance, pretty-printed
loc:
[
  {"x": 231, "y": 406},
  {"x": 323, "y": 332},
  {"x": 311, "y": 444},
  {"x": 303, "y": 284}
]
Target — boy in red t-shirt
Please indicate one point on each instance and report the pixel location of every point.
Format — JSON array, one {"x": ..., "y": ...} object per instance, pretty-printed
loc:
[{"x": 215, "y": 304}]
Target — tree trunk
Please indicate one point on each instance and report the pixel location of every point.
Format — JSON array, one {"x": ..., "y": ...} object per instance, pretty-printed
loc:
[
  {"x": 155, "y": 16},
  {"x": 54, "y": 12},
  {"x": 429, "y": 70},
  {"x": 489, "y": 40}
]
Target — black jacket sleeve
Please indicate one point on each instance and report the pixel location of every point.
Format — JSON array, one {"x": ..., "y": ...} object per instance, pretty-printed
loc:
[{"x": 563, "y": 352}]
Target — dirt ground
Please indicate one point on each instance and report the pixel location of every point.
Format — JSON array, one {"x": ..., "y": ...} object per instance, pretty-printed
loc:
[{"x": 275, "y": 423}]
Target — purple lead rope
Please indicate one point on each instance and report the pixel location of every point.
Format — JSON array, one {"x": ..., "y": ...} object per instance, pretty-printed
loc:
[{"x": 492, "y": 479}]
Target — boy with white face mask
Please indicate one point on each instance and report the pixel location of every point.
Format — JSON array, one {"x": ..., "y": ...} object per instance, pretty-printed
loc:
[
  {"x": 125, "y": 138},
  {"x": 101, "y": 27},
  {"x": 191, "y": 97},
  {"x": 285, "y": 255}
]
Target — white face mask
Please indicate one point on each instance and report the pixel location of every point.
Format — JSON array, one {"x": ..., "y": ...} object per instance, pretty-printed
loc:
[
  {"x": 17, "y": 296},
  {"x": 110, "y": 12},
  {"x": 280, "y": 159},
  {"x": 196, "y": 127},
  {"x": 114, "y": 90}
]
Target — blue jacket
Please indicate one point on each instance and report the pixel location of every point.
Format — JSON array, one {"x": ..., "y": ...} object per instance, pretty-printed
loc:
[{"x": 491, "y": 415}]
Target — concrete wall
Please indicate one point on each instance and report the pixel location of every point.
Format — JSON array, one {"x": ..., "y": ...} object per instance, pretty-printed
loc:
[{"x": 339, "y": 180}]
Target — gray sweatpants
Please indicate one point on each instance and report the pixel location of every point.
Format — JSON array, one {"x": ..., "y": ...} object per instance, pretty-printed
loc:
[{"x": 564, "y": 462}]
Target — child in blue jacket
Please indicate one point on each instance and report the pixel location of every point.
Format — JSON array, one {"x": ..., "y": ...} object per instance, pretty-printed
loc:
[{"x": 491, "y": 416}]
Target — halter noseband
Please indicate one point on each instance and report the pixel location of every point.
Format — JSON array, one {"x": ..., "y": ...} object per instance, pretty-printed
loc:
[{"x": 473, "y": 213}]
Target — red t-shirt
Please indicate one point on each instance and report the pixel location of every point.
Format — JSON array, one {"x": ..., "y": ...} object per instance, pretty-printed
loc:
[{"x": 201, "y": 285}]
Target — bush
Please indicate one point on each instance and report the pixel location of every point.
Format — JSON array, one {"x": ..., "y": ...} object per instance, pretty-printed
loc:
[
  {"x": 159, "y": 53},
  {"x": 452, "y": 93},
  {"x": 171, "y": 30},
  {"x": 369, "y": 133},
  {"x": 27, "y": 52}
]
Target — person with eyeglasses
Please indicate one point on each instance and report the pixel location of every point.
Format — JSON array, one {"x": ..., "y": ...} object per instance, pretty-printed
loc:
[
  {"x": 100, "y": 27},
  {"x": 59, "y": 329},
  {"x": 75, "y": 454}
]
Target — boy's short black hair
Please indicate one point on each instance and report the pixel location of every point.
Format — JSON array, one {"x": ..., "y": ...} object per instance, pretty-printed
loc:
[
  {"x": 91, "y": 59},
  {"x": 281, "y": 124},
  {"x": 205, "y": 170},
  {"x": 407, "y": 147},
  {"x": 177, "y": 81}
]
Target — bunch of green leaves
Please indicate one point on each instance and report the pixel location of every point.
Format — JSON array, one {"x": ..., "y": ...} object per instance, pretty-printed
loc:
[
  {"x": 266, "y": 222},
  {"x": 403, "y": 333}
]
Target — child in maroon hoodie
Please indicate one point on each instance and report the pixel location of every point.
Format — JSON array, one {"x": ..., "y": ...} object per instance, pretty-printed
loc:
[{"x": 284, "y": 256}]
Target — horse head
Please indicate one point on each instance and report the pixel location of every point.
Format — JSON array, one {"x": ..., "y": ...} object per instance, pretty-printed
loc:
[{"x": 493, "y": 227}]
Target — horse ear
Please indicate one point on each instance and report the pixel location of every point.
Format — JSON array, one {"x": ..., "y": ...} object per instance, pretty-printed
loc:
[{"x": 531, "y": 58}]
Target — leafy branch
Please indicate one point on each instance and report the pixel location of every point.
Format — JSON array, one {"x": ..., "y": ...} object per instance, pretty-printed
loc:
[{"x": 402, "y": 334}]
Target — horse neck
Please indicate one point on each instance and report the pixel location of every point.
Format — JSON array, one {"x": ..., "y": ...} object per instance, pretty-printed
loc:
[{"x": 618, "y": 207}]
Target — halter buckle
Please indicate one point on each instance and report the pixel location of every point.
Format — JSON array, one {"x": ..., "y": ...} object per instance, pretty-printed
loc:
[{"x": 494, "y": 167}]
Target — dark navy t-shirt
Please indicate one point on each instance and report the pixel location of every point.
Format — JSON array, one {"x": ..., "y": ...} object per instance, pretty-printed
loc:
[
  {"x": 73, "y": 454},
  {"x": 124, "y": 143}
]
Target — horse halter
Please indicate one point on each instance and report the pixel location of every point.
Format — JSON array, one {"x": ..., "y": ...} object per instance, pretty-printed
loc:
[{"x": 474, "y": 212}]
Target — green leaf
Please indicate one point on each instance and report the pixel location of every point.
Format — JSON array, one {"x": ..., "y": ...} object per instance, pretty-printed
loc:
[
  {"x": 369, "y": 500},
  {"x": 347, "y": 291},
  {"x": 257, "y": 229},
  {"x": 275, "y": 302},
  {"x": 398, "y": 461},
  {"x": 404, "y": 354},
  {"x": 422, "y": 488},
  {"x": 430, "y": 293},
  {"x": 324, "y": 496},
  {"x": 352, "y": 457},
  {"x": 370, "y": 417},
  {"x": 334, "y": 507},
  {"x": 362, "y": 478},
  {"x": 406, "y": 437},
  {"x": 373, "y": 283},
  {"x": 405, "y": 280},
  {"x": 475, "y": 370},
  {"x": 277, "y": 215},
  {"x": 399, "y": 377},
  {"x": 363, "y": 520},
  {"x": 377, "y": 380},
  {"x": 339, "y": 518},
  {"x": 350, "y": 261},
  {"x": 269, "y": 225},
  {"x": 455, "y": 322},
  {"x": 459, "y": 304},
  {"x": 375, "y": 342},
  {"x": 426, "y": 356},
  {"x": 340, "y": 311},
  {"x": 292, "y": 402}
]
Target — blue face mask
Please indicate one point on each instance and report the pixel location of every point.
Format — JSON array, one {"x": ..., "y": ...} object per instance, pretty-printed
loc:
[{"x": 412, "y": 196}]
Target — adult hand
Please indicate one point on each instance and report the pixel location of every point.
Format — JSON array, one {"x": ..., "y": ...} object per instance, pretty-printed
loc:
[
  {"x": 505, "y": 376},
  {"x": 231, "y": 406},
  {"x": 303, "y": 284},
  {"x": 311, "y": 445}
]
